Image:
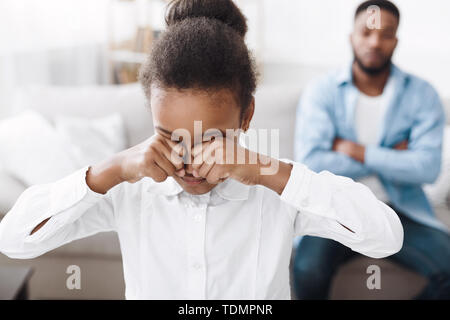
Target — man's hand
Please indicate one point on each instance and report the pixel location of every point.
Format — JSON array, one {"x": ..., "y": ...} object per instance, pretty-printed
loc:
[
  {"x": 349, "y": 148},
  {"x": 403, "y": 145}
]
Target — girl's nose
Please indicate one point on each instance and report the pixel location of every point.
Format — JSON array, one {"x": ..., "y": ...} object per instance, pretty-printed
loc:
[{"x": 188, "y": 168}]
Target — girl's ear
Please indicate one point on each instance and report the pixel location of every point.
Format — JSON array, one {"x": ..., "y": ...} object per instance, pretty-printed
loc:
[{"x": 248, "y": 115}]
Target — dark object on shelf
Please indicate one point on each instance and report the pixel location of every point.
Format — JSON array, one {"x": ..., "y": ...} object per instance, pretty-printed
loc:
[{"x": 14, "y": 282}]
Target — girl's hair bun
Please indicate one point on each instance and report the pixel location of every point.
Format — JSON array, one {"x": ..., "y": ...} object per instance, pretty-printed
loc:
[
  {"x": 203, "y": 48},
  {"x": 223, "y": 10}
]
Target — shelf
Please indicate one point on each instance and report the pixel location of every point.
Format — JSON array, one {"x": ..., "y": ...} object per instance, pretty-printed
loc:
[{"x": 127, "y": 56}]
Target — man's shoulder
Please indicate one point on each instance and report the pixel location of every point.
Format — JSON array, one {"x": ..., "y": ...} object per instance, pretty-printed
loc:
[
  {"x": 419, "y": 97},
  {"x": 416, "y": 83},
  {"x": 324, "y": 85}
]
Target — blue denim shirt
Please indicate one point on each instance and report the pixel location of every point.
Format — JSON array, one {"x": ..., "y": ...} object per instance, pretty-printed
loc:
[{"x": 415, "y": 113}]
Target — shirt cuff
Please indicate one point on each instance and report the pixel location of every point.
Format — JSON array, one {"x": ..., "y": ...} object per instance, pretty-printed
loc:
[
  {"x": 309, "y": 191},
  {"x": 296, "y": 190},
  {"x": 65, "y": 193},
  {"x": 72, "y": 189}
]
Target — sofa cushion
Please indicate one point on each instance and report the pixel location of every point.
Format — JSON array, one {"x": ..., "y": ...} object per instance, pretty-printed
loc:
[
  {"x": 446, "y": 103},
  {"x": 438, "y": 192},
  {"x": 91, "y": 101},
  {"x": 32, "y": 151},
  {"x": 11, "y": 188},
  {"x": 92, "y": 140},
  {"x": 397, "y": 282}
]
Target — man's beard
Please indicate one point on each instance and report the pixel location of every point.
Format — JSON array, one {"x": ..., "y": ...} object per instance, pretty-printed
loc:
[{"x": 375, "y": 70}]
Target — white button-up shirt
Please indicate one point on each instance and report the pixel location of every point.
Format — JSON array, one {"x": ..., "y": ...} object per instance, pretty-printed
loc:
[{"x": 233, "y": 242}]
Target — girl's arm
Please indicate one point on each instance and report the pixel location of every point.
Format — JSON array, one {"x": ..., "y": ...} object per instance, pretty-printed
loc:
[
  {"x": 100, "y": 179},
  {"x": 328, "y": 205},
  {"x": 50, "y": 215},
  {"x": 336, "y": 207},
  {"x": 79, "y": 205}
]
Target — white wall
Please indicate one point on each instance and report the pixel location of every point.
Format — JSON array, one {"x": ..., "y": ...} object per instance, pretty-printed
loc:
[
  {"x": 315, "y": 32},
  {"x": 61, "y": 41},
  {"x": 51, "y": 42}
]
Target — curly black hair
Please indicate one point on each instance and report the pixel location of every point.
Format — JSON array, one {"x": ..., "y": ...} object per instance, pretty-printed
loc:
[{"x": 202, "y": 48}]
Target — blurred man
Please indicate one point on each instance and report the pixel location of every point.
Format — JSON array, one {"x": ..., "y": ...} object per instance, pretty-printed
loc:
[{"x": 377, "y": 124}]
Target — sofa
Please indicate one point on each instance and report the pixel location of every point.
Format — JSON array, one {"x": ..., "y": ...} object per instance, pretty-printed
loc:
[{"x": 99, "y": 256}]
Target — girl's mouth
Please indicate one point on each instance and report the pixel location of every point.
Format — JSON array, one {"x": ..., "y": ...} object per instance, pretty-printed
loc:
[{"x": 191, "y": 180}]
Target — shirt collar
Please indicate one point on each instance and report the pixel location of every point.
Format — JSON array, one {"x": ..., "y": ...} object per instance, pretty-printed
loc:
[
  {"x": 345, "y": 75},
  {"x": 230, "y": 189}
]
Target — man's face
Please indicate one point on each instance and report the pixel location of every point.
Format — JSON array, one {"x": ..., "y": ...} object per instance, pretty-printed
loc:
[{"x": 373, "y": 48}]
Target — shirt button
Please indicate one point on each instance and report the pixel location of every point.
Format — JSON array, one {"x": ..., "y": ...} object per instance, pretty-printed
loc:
[
  {"x": 305, "y": 202},
  {"x": 197, "y": 266},
  {"x": 198, "y": 217}
]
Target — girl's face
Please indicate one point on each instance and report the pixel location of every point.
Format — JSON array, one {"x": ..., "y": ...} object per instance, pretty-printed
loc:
[{"x": 183, "y": 109}]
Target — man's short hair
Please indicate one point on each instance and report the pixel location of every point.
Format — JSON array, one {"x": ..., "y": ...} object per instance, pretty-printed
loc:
[{"x": 382, "y": 4}]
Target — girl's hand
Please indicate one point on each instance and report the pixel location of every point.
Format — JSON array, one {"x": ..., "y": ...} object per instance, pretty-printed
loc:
[
  {"x": 156, "y": 157},
  {"x": 224, "y": 158}
]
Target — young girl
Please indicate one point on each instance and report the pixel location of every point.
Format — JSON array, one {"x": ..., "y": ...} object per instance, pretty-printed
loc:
[{"x": 200, "y": 229}]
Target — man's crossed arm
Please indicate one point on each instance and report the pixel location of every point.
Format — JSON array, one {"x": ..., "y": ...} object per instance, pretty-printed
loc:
[{"x": 356, "y": 151}]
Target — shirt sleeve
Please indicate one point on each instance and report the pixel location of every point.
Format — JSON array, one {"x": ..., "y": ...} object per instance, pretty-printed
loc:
[
  {"x": 75, "y": 212},
  {"x": 341, "y": 209}
]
